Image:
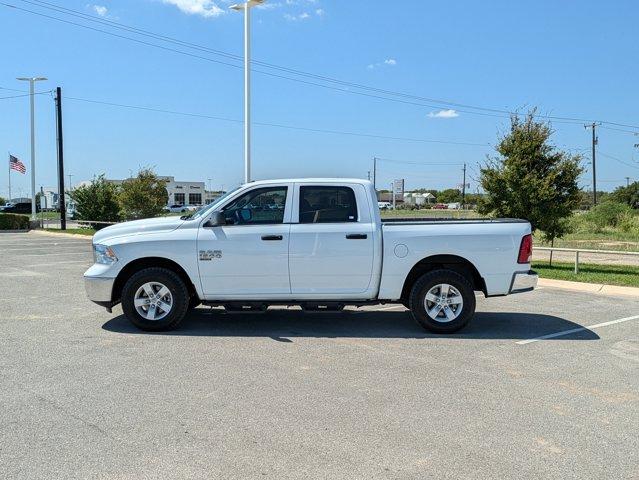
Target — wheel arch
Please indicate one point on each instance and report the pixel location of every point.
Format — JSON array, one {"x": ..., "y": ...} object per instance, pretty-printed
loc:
[
  {"x": 146, "y": 262},
  {"x": 450, "y": 262}
]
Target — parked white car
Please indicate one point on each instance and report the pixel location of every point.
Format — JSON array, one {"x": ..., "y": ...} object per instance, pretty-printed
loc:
[
  {"x": 384, "y": 205},
  {"x": 176, "y": 208},
  {"x": 318, "y": 243}
]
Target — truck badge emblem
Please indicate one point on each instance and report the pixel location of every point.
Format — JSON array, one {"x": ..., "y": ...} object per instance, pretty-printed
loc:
[{"x": 208, "y": 255}]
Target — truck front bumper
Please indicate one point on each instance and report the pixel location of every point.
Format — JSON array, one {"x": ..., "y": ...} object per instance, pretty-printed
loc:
[
  {"x": 99, "y": 290},
  {"x": 524, "y": 281}
]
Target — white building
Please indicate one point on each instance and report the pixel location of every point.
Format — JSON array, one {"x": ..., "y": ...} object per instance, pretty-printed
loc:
[
  {"x": 184, "y": 193},
  {"x": 418, "y": 198},
  {"x": 180, "y": 192}
]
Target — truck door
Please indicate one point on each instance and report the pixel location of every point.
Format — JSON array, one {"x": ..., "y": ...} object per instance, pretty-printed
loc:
[
  {"x": 248, "y": 257},
  {"x": 331, "y": 246}
]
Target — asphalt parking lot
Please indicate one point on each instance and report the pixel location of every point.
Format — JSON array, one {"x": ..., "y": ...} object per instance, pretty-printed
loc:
[{"x": 363, "y": 394}]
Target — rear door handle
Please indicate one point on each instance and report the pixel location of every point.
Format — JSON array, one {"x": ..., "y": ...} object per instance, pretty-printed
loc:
[
  {"x": 356, "y": 236},
  {"x": 272, "y": 237}
]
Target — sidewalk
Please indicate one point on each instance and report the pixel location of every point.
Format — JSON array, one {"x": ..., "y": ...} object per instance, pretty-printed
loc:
[{"x": 596, "y": 288}]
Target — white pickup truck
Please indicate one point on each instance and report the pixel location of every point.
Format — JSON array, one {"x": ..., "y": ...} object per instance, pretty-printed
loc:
[{"x": 317, "y": 243}]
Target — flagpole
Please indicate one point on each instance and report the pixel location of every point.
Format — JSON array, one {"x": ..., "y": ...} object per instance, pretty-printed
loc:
[{"x": 9, "y": 201}]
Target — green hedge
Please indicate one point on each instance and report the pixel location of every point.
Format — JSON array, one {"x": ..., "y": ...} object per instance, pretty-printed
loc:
[{"x": 10, "y": 221}]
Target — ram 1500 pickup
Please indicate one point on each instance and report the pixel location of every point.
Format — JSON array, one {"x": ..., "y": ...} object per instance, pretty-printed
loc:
[{"x": 317, "y": 243}]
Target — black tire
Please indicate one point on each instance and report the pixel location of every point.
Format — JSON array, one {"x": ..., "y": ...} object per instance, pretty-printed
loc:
[
  {"x": 429, "y": 280},
  {"x": 179, "y": 294},
  {"x": 194, "y": 302}
]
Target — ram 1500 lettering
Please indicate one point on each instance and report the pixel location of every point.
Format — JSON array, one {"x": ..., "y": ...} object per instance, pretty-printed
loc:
[{"x": 317, "y": 243}]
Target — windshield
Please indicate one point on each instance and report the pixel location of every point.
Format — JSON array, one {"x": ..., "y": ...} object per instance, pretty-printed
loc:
[{"x": 206, "y": 209}]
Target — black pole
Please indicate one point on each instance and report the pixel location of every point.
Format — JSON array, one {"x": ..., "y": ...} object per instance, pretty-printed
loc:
[
  {"x": 61, "y": 196},
  {"x": 594, "y": 164},
  {"x": 464, "y": 189}
]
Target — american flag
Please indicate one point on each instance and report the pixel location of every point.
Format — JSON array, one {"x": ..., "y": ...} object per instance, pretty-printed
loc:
[{"x": 17, "y": 165}]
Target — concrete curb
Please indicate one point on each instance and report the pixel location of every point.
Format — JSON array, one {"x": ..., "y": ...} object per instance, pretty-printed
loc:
[
  {"x": 14, "y": 231},
  {"x": 596, "y": 288},
  {"x": 61, "y": 234}
]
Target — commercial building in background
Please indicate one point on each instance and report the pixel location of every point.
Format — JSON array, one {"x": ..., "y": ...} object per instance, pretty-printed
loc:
[
  {"x": 184, "y": 193},
  {"x": 49, "y": 198},
  {"x": 180, "y": 192},
  {"x": 211, "y": 196}
]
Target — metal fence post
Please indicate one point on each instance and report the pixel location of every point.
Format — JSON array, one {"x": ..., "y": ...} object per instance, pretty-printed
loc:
[{"x": 577, "y": 262}]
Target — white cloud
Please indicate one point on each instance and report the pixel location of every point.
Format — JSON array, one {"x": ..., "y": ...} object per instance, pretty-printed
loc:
[
  {"x": 391, "y": 62},
  {"x": 205, "y": 8},
  {"x": 294, "y": 18},
  {"x": 320, "y": 12},
  {"x": 450, "y": 113},
  {"x": 101, "y": 10}
]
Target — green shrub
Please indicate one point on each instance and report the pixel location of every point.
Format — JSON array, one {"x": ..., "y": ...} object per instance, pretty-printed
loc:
[
  {"x": 629, "y": 223},
  {"x": 11, "y": 221},
  {"x": 608, "y": 214}
]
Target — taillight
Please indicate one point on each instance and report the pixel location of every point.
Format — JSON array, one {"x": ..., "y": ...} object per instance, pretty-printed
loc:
[{"x": 525, "y": 249}]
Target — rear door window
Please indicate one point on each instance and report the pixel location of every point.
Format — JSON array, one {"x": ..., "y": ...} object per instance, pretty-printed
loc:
[{"x": 327, "y": 204}]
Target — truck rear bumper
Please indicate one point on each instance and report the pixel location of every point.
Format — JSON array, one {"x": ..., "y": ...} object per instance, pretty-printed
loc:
[{"x": 523, "y": 282}]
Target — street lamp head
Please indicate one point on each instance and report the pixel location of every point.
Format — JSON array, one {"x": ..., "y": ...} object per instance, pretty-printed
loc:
[{"x": 249, "y": 3}]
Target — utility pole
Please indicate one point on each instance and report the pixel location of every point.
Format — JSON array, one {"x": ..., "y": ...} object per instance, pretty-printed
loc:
[
  {"x": 464, "y": 189},
  {"x": 593, "y": 126},
  {"x": 393, "y": 193},
  {"x": 375, "y": 174},
  {"x": 369, "y": 175},
  {"x": 70, "y": 186},
  {"x": 62, "y": 205},
  {"x": 627, "y": 182},
  {"x": 32, "y": 81}
]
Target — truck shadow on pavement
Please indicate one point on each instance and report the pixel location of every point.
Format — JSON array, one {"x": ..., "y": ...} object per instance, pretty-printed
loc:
[{"x": 285, "y": 325}]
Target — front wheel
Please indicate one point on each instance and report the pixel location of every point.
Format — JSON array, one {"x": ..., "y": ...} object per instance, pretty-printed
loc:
[
  {"x": 155, "y": 299},
  {"x": 442, "y": 301}
]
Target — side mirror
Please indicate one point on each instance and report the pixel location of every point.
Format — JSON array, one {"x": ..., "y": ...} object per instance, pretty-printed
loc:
[{"x": 217, "y": 219}]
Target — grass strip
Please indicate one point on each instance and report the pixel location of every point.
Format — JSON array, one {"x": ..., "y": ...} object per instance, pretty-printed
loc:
[{"x": 624, "y": 275}]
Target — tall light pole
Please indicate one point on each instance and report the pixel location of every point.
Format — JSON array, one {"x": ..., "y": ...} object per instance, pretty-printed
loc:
[
  {"x": 246, "y": 7},
  {"x": 32, "y": 81}
]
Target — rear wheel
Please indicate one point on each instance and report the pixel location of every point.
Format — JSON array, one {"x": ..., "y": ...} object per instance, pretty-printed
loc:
[
  {"x": 155, "y": 299},
  {"x": 442, "y": 301}
]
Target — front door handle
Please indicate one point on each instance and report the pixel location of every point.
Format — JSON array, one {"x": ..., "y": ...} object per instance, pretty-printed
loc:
[
  {"x": 272, "y": 237},
  {"x": 356, "y": 236}
]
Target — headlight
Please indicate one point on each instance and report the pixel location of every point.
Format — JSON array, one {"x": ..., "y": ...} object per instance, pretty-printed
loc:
[{"x": 103, "y": 254}]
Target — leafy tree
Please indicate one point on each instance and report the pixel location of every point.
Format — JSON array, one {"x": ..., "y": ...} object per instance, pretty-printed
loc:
[
  {"x": 3, "y": 201},
  {"x": 450, "y": 195},
  {"x": 143, "y": 196},
  {"x": 530, "y": 179},
  {"x": 96, "y": 201},
  {"x": 473, "y": 198},
  {"x": 628, "y": 195}
]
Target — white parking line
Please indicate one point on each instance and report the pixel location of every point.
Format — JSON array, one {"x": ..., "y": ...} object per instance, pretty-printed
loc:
[{"x": 580, "y": 329}]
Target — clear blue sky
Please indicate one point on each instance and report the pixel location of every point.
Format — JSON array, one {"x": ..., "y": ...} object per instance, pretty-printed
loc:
[{"x": 569, "y": 58}]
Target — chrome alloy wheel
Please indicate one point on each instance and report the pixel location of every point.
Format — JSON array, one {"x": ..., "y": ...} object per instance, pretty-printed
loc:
[
  {"x": 153, "y": 301},
  {"x": 443, "y": 303}
]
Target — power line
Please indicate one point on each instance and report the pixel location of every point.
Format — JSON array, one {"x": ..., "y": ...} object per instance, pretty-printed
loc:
[
  {"x": 617, "y": 160},
  {"x": 419, "y": 163},
  {"x": 276, "y": 125},
  {"x": 110, "y": 23},
  {"x": 22, "y": 94},
  {"x": 620, "y": 130}
]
